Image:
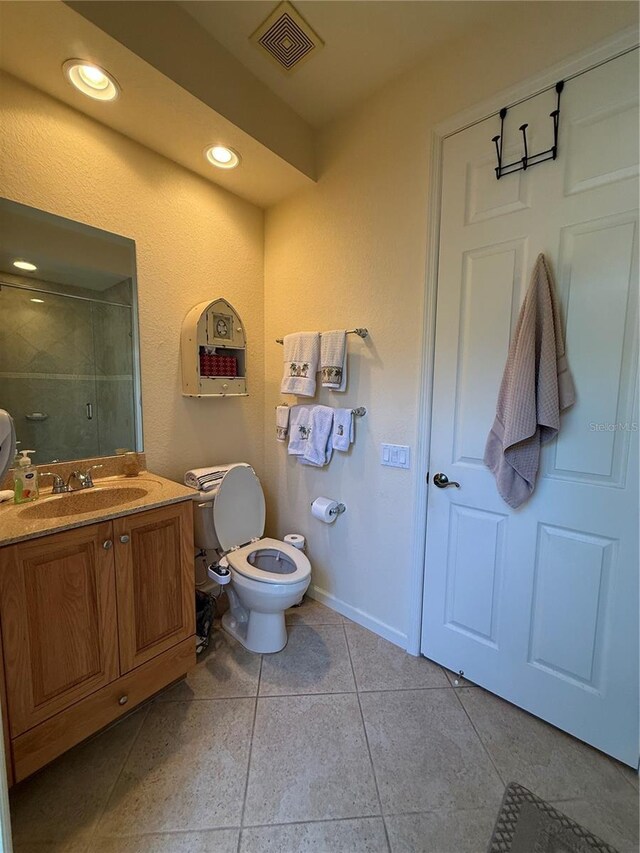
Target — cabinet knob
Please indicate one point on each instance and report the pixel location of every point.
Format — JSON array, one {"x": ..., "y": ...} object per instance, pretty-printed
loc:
[
  {"x": 123, "y": 700},
  {"x": 124, "y": 539},
  {"x": 107, "y": 544}
]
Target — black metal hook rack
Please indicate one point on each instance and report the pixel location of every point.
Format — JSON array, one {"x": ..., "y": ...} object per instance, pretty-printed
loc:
[{"x": 528, "y": 160}]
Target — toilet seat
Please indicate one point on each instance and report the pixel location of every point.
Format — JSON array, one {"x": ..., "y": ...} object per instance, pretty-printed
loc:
[{"x": 246, "y": 561}]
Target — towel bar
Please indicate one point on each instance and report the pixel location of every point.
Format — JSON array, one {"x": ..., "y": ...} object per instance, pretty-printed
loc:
[
  {"x": 361, "y": 333},
  {"x": 360, "y": 412}
]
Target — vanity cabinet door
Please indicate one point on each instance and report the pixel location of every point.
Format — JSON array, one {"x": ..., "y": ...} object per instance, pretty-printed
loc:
[
  {"x": 59, "y": 626},
  {"x": 155, "y": 582}
]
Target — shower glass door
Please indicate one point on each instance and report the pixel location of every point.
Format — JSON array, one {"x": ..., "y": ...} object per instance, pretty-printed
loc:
[{"x": 66, "y": 373}]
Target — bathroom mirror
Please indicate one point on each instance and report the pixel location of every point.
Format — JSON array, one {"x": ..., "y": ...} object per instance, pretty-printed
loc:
[{"x": 69, "y": 354}]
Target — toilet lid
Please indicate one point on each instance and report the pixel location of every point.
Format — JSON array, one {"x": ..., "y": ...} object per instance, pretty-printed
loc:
[{"x": 239, "y": 509}]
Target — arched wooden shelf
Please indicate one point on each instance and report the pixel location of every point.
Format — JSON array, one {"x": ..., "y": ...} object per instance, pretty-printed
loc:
[{"x": 214, "y": 351}]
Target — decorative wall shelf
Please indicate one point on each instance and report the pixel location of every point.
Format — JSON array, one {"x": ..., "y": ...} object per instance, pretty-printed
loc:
[{"x": 214, "y": 351}]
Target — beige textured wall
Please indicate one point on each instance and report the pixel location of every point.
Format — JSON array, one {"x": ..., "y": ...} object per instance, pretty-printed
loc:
[
  {"x": 194, "y": 241},
  {"x": 351, "y": 252}
]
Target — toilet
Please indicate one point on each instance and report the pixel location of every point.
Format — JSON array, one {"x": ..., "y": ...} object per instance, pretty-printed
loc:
[{"x": 267, "y": 576}]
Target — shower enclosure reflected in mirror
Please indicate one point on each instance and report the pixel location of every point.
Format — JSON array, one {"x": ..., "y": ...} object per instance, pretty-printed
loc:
[{"x": 69, "y": 355}]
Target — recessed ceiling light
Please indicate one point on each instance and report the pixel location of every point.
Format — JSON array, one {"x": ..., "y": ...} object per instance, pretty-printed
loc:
[
  {"x": 25, "y": 265},
  {"x": 36, "y": 300},
  {"x": 222, "y": 157},
  {"x": 91, "y": 80}
]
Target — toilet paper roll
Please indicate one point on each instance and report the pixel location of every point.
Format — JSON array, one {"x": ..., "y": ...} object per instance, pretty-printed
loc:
[
  {"x": 324, "y": 509},
  {"x": 296, "y": 540}
]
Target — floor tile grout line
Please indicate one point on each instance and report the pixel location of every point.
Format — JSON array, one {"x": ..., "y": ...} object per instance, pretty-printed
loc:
[
  {"x": 180, "y": 699},
  {"x": 120, "y": 772},
  {"x": 456, "y": 692},
  {"x": 386, "y": 831},
  {"x": 353, "y": 669},
  {"x": 366, "y": 738},
  {"x": 144, "y": 834},
  {"x": 253, "y": 728},
  {"x": 313, "y": 820},
  {"x": 328, "y": 820},
  {"x": 439, "y": 811},
  {"x": 404, "y": 689},
  {"x": 321, "y": 693}
]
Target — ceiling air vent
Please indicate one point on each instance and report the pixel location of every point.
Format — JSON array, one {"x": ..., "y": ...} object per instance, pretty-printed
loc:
[{"x": 287, "y": 38}]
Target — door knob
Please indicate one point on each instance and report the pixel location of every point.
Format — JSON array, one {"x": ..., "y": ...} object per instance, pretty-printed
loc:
[
  {"x": 107, "y": 544},
  {"x": 442, "y": 481},
  {"x": 123, "y": 700},
  {"x": 124, "y": 539}
]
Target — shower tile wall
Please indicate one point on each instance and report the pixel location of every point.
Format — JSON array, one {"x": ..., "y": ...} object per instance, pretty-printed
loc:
[
  {"x": 58, "y": 355},
  {"x": 114, "y": 376}
]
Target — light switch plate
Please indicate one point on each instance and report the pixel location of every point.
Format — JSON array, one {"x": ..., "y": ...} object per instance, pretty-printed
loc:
[{"x": 396, "y": 455}]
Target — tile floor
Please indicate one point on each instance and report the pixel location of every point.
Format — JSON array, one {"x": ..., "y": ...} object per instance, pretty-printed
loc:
[{"x": 341, "y": 743}]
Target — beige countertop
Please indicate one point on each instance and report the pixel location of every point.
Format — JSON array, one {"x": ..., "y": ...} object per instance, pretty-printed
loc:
[{"x": 53, "y": 513}]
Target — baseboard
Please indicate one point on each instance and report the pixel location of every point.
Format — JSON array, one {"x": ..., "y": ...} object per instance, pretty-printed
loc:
[{"x": 379, "y": 628}]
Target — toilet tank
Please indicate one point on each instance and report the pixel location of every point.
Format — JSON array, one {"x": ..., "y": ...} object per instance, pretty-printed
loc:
[{"x": 203, "y": 527}]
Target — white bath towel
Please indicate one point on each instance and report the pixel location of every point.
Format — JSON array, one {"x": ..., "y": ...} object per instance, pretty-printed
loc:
[
  {"x": 282, "y": 422},
  {"x": 318, "y": 448},
  {"x": 343, "y": 429},
  {"x": 205, "y": 479},
  {"x": 301, "y": 354},
  {"x": 299, "y": 429},
  {"x": 333, "y": 359},
  {"x": 536, "y": 386}
]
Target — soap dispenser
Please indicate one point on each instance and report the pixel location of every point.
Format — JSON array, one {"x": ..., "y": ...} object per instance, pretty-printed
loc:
[{"x": 25, "y": 479}]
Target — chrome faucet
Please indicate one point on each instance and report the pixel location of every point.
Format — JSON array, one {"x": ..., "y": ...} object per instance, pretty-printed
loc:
[
  {"x": 85, "y": 480},
  {"x": 59, "y": 486},
  {"x": 80, "y": 477},
  {"x": 88, "y": 476}
]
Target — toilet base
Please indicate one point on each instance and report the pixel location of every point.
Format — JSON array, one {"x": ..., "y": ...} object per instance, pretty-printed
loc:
[{"x": 264, "y": 633}]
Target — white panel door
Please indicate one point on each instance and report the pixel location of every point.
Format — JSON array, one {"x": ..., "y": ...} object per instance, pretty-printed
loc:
[{"x": 540, "y": 604}]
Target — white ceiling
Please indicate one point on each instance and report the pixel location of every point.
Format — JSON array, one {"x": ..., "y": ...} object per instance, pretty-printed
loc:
[{"x": 366, "y": 44}]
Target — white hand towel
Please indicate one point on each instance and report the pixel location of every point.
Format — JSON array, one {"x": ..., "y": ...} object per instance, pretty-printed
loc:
[
  {"x": 205, "y": 479},
  {"x": 299, "y": 429},
  {"x": 343, "y": 384},
  {"x": 343, "y": 429},
  {"x": 282, "y": 422},
  {"x": 319, "y": 449},
  {"x": 301, "y": 354},
  {"x": 536, "y": 387},
  {"x": 333, "y": 359}
]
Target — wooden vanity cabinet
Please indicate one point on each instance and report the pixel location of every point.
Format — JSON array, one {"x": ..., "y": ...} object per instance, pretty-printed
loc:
[
  {"x": 94, "y": 620},
  {"x": 155, "y": 582},
  {"x": 59, "y": 628}
]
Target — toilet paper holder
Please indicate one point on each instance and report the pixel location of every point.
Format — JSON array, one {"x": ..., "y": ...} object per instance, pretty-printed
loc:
[{"x": 338, "y": 510}]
